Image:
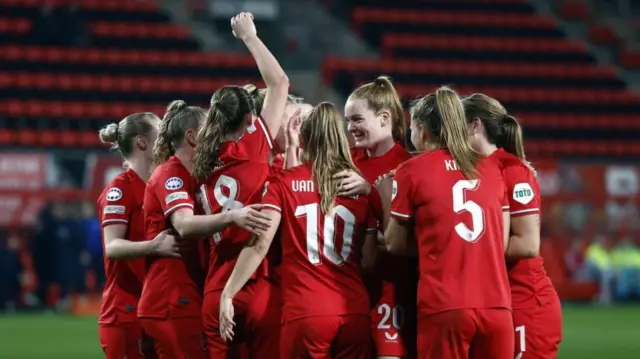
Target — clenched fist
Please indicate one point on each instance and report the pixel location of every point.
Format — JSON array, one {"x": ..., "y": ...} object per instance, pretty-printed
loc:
[{"x": 243, "y": 26}]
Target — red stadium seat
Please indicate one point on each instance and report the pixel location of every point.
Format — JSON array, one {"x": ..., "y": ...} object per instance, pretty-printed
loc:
[
  {"x": 426, "y": 67},
  {"x": 124, "y": 56},
  {"x": 474, "y": 42},
  {"x": 97, "y": 5},
  {"x": 601, "y": 34},
  {"x": 575, "y": 10},
  {"x": 450, "y": 18},
  {"x": 119, "y": 29},
  {"x": 14, "y": 26},
  {"x": 35, "y": 108},
  {"x": 582, "y": 148},
  {"x": 122, "y": 83}
]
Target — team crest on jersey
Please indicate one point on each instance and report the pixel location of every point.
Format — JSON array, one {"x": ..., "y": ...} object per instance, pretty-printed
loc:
[
  {"x": 173, "y": 184},
  {"x": 264, "y": 190},
  {"x": 114, "y": 194},
  {"x": 523, "y": 193},
  {"x": 394, "y": 190}
]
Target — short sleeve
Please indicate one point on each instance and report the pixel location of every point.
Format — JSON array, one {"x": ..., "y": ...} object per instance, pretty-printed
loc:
[
  {"x": 401, "y": 195},
  {"x": 257, "y": 139},
  {"x": 116, "y": 205},
  {"x": 174, "y": 192},
  {"x": 272, "y": 194},
  {"x": 523, "y": 190}
]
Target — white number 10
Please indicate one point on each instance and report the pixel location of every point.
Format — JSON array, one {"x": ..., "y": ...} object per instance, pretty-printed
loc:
[
  {"x": 329, "y": 248},
  {"x": 460, "y": 206}
]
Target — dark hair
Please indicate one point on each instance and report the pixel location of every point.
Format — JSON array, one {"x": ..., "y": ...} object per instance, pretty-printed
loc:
[
  {"x": 503, "y": 130},
  {"x": 122, "y": 134},
  {"x": 229, "y": 107},
  {"x": 380, "y": 94},
  {"x": 258, "y": 95},
  {"x": 177, "y": 119},
  {"x": 442, "y": 114}
]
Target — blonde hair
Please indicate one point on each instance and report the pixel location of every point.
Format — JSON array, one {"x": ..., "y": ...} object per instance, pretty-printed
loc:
[
  {"x": 325, "y": 144},
  {"x": 177, "y": 119},
  {"x": 120, "y": 135},
  {"x": 442, "y": 114},
  {"x": 503, "y": 130},
  {"x": 380, "y": 95},
  {"x": 229, "y": 107}
]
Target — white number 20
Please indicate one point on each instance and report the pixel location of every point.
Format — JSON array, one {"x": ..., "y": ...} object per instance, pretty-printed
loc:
[
  {"x": 329, "y": 248},
  {"x": 227, "y": 203},
  {"x": 460, "y": 205},
  {"x": 396, "y": 314}
]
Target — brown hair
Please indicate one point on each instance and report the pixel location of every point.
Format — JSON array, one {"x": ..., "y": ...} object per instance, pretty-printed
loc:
[
  {"x": 380, "y": 95},
  {"x": 229, "y": 106},
  {"x": 503, "y": 130},
  {"x": 122, "y": 134},
  {"x": 258, "y": 95},
  {"x": 326, "y": 145},
  {"x": 177, "y": 119},
  {"x": 442, "y": 114}
]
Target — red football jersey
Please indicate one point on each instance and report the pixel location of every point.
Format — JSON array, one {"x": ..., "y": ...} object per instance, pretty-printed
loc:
[
  {"x": 173, "y": 286},
  {"x": 121, "y": 203},
  {"x": 459, "y": 228},
  {"x": 237, "y": 183},
  {"x": 527, "y": 277},
  {"x": 321, "y": 272}
]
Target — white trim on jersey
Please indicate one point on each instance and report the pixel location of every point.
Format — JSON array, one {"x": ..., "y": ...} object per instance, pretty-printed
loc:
[
  {"x": 112, "y": 221},
  {"x": 170, "y": 210},
  {"x": 401, "y": 215},
  {"x": 265, "y": 131},
  {"x": 371, "y": 229},
  {"x": 530, "y": 210},
  {"x": 271, "y": 206},
  {"x": 505, "y": 208}
]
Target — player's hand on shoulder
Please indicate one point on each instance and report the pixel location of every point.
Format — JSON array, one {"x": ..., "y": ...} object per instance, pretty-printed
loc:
[
  {"x": 243, "y": 27},
  {"x": 166, "y": 244},
  {"x": 351, "y": 183},
  {"x": 292, "y": 135},
  {"x": 251, "y": 218},
  {"x": 226, "y": 318},
  {"x": 384, "y": 184}
]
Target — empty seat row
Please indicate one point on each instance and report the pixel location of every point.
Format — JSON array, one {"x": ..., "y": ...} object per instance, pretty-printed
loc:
[
  {"x": 139, "y": 30},
  {"x": 119, "y": 56},
  {"x": 98, "y": 5},
  {"x": 462, "y": 68},
  {"x": 504, "y": 6},
  {"x": 122, "y": 83},
  {"x": 533, "y": 94},
  {"x": 14, "y": 26},
  {"x": 85, "y": 110},
  {"x": 56, "y": 138},
  {"x": 583, "y": 148}
]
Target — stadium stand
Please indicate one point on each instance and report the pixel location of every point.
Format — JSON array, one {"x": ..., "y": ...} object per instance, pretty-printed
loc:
[
  {"x": 568, "y": 103},
  {"x": 136, "y": 60}
]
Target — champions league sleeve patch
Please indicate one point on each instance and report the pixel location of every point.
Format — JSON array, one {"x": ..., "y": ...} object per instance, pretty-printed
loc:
[
  {"x": 114, "y": 194},
  {"x": 173, "y": 183}
]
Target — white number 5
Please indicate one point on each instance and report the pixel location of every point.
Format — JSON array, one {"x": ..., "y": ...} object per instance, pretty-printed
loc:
[{"x": 460, "y": 205}]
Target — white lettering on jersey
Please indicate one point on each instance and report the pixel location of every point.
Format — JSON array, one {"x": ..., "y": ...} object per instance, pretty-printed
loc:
[
  {"x": 114, "y": 194},
  {"x": 450, "y": 165},
  {"x": 114, "y": 209},
  {"x": 523, "y": 193},
  {"x": 394, "y": 190},
  {"x": 302, "y": 186},
  {"x": 173, "y": 183},
  {"x": 175, "y": 196}
]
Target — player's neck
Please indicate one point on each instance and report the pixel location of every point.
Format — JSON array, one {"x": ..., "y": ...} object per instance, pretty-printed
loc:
[
  {"x": 487, "y": 149},
  {"x": 141, "y": 167},
  {"x": 186, "y": 158},
  {"x": 381, "y": 148}
]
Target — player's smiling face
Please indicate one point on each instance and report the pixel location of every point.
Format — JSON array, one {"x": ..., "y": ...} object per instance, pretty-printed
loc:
[{"x": 364, "y": 125}]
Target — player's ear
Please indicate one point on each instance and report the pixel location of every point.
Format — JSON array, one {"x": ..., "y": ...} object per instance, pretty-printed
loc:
[
  {"x": 141, "y": 142},
  {"x": 190, "y": 137},
  {"x": 385, "y": 117}
]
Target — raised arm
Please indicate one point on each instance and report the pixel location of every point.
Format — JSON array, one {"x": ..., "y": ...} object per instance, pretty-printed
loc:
[{"x": 272, "y": 73}]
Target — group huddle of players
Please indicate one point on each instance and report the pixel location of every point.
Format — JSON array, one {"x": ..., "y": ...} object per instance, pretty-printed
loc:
[{"x": 225, "y": 241}]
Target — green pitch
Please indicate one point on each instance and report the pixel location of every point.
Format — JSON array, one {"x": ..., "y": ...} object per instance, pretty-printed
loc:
[{"x": 590, "y": 333}]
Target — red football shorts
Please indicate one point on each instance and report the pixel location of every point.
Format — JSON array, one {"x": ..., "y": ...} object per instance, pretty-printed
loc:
[
  {"x": 393, "y": 322},
  {"x": 327, "y": 337},
  {"x": 258, "y": 312},
  {"x": 176, "y": 337},
  {"x": 466, "y": 333},
  {"x": 538, "y": 330},
  {"x": 125, "y": 340}
]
